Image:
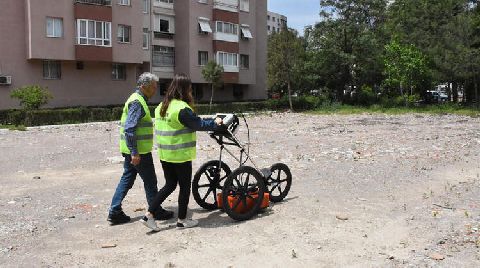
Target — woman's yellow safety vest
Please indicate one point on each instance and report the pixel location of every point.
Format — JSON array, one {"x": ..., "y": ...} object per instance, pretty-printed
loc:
[
  {"x": 176, "y": 143},
  {"x": 144, "y": 130}
]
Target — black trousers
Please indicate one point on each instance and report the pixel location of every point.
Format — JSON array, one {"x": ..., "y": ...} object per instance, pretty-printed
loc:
[{"x": 175, "y": 173}]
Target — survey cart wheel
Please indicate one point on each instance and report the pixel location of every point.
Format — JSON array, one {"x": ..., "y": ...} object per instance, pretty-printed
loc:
[
  {"x": 243, "y": 193},
  {"x": 279, "y": 182},
  {"x": 208, "y": 181}
]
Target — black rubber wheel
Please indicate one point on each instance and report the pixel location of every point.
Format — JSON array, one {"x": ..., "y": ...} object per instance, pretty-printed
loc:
[
  {"x": 245, "y": 187},
  {"x": 279, "y": 182},
  {"x": 207, "y": 182}
]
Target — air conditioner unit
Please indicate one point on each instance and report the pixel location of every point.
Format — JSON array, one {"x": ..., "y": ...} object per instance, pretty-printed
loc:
[{"x": 5, "y": 80}]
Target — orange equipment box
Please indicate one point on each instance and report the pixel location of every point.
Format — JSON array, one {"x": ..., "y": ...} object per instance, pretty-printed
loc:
[{"x": 241, "y": 208}]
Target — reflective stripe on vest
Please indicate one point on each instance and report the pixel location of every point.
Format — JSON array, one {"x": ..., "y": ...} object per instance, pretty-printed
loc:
[
  {"x": 140, "y": 124},
  {"x": 176, "y": 143},
  {"x": 143, "y": 130},
  {"x": 177, "y": 146},
  {"x": 138, "y": 137},
  {"x": 174, "y": 132}
]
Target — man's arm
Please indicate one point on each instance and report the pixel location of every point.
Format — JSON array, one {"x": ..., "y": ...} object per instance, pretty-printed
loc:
[{"x": 135, "y": 113}]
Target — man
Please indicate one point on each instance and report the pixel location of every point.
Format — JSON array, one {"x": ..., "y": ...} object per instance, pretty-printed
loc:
[{"x": 136, "y": 142}]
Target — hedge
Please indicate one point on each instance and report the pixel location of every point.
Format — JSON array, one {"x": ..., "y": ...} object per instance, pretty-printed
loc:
[{"x": 104, "y": 114}]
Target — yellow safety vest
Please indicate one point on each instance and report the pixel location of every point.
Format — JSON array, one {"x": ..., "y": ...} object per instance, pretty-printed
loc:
[
  {"x": 176, "y": 143},
  {"x": 144, "y": 130}
]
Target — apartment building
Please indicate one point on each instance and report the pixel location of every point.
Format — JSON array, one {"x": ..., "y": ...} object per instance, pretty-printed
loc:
[
  {"x": 90, "y": 52},
  {"x": 87, "y": 52},
  {"x": 275, "y": 22},
  {"x": 187, "y": 34}
]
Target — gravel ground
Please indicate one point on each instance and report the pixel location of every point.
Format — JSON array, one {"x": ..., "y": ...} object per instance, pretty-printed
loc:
[{"x": 368, "y": 191}]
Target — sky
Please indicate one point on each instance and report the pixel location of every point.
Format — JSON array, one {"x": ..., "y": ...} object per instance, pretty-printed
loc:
[{"x": 300, "y": 13}]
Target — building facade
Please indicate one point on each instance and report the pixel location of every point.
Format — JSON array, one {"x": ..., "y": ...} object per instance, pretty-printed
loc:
[
  {"x": 90, "y": 52},
  {"x": 275, "y": 22}
]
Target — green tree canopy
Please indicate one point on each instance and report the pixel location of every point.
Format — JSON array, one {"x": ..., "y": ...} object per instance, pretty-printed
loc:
[
  {"x": 405, "y": 68},
  {"x": 212, "y": 73},
  {"x": 285, "y": 60}
]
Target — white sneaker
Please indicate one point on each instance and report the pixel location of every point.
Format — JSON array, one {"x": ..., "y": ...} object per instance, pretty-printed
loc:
[
  {"x": 187, "y": 223},
  {"x": 149, "y": 222}
]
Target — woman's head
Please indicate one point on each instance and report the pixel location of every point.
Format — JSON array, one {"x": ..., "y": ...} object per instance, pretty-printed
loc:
[{"x": 180, "y": 89}]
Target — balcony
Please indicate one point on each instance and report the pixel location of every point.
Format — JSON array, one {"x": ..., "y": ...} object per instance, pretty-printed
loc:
[
  {"x": 95, "y": 2},
  {"x": 163, "y": 35}
]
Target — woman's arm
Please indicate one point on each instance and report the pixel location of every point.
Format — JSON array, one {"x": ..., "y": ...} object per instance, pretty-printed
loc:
[{"x": 189, "y": 119}]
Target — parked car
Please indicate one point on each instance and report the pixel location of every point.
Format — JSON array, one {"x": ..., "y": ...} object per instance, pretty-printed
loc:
[
  {"x": 432, "y": 96},
  {"x": 442, "y": 97}
]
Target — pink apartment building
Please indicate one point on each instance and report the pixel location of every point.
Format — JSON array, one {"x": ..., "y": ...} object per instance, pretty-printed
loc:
[{"x": 90, "y": 52}]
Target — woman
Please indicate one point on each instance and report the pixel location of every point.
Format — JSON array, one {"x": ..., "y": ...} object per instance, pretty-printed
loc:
[{"x": 175, "y": 126}]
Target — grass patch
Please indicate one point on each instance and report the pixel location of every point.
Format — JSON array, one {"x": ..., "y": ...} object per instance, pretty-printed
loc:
[
  {"x": 13, "y": 127},
  {"x": 431, "y": 109}
]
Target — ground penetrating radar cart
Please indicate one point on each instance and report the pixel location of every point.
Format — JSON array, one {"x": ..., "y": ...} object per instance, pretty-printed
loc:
[{"x": 241, "y": 193}]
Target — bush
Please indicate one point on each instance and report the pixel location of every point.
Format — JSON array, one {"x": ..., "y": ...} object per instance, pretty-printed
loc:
[
  {"x": 365, "y": 96},
  {"x": 95, "y": 114},
  {"x": 31, "y": 97},
  {"x": 301, "y": 103}
]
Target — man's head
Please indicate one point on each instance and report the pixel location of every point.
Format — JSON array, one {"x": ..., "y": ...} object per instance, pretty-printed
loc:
[{"x": 147, "y": 83}]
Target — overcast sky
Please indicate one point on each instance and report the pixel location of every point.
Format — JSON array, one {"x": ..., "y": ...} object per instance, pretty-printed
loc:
[{"x": 300, "y": 13}]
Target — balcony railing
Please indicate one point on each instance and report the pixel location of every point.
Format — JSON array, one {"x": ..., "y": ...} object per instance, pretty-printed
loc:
[
  {"x": 162, "y": 59},
  {"x": 95, "y": 2},
  {"x": 163, "y": 35}
]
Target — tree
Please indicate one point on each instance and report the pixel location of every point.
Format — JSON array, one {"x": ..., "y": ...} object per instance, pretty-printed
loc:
[
  {"x": 405, "y": 68},
  {"x": 31, "y": 97},
  {"x": 444, "y": 32},
  {"x": 344, "y": 49},
  {"x": 285, "y": 60},
  {"x": 212, "y": 73}
]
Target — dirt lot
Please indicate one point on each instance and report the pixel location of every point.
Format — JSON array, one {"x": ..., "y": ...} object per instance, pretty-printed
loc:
[{"x": 409, "y": 186}]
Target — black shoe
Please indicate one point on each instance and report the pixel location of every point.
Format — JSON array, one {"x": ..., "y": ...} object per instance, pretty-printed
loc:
[
  {"x": 163, "y": 214},
  {"x": 118, "y": 218}
]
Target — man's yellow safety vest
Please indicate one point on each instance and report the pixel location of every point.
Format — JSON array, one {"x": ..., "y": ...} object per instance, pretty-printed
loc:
[{"x": 144, "y": 130}]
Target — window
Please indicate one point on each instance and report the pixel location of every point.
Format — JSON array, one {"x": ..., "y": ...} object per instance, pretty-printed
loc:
[
  {"x": 164, "y": 24},
  {"x": 124, "y": 2},
  {"x": 273, "y": 19},
  {"x": 245, "y": 5},
  {"x": 163, "y": 56},
  {"x": 119, "y": 71},
  {"x": 204, "y": 26},
  {"x": 52, "y": 69},
  {"x": 96, "y": 33},
  {"x": 164, "y": 1},
  {"x": 225, "y": 27},
  {"x": 237, "y": 91},
  {"x": 227, "y": 59},
  {"x": 123, "y": 35},
  {"x": 197, "y": 91},
  {"x": 268, "y": 17},
  {"x": 244, "y": 62},
  {"x": 145, "y": 38},
  {"x": 54, "y": 27},
  {"x": 245, "y": 30},
  {"x": 268, "y": 27},
  {"x": 79, "y": 65},
  {"x": 202, "y": 58},
  {"x": 145, "y": 6}
]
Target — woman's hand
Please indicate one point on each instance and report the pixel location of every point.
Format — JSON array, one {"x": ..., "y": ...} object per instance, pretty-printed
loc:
[{"x": 218, "y": 121}]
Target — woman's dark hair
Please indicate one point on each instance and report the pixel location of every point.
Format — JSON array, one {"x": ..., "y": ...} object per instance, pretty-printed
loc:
[{"x": 180, "y": 89}]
